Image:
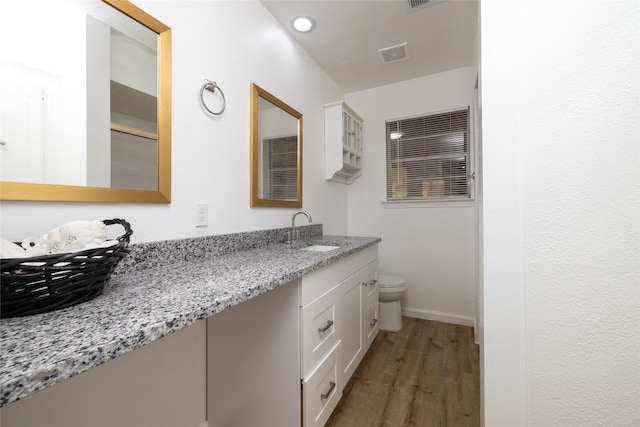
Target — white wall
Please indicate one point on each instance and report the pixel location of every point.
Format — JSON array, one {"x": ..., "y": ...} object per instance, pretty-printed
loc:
[
  {"x": 432, "y": 247},
  {"x": 234, "y": 43},
  {"x": 561, "y": 132}
]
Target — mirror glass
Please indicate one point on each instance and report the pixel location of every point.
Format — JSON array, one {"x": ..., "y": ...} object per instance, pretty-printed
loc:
[
  {"x": 276, "y": 152},
  {"x": 85, "y": 107}
]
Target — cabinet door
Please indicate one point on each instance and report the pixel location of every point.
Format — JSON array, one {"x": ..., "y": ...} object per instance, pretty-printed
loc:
[
  {"x": 351, "y": 306},
  {"x": 345, "y": 129},
  {"x": 322, "y": 390},
  {"x": 319, "y": 330},
  {"x": 370, "y": 325}
]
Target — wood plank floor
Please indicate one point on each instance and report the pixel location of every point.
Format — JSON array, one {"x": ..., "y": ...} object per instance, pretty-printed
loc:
[{"x": 425, "y": 375}]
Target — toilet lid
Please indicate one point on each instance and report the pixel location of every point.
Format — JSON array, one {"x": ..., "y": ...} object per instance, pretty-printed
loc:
[{"x": 389, "y": 281}]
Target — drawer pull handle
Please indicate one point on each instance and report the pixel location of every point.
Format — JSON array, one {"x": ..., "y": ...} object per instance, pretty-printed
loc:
[
  {"x": 370, "y": 282},
  {"x": 373, "y": 322},
  {"x": 332, "y": 385},
  {"x": 327, "y": 326}
]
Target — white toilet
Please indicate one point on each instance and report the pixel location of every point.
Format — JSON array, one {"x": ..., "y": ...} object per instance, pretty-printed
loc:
[{"x": 390, "y": 291}]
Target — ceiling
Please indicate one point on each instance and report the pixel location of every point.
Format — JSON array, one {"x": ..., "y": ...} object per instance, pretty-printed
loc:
[{"x": 439, "y": 36}]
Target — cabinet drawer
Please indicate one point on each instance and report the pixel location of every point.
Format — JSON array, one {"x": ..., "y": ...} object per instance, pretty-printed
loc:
[
  {"x": 319, "y": 330},
  {"x": 322, "y": 390}
]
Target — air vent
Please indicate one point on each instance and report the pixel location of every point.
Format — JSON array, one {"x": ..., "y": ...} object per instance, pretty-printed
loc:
[
  {"x": 395, "y": 53},
  {"x": 419, "y": 4}
]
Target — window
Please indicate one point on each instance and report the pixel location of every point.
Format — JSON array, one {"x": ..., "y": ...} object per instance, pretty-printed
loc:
[{"x": 428, "y": 157}]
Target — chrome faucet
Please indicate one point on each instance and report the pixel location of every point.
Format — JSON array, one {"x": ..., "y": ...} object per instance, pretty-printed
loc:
[{"x": 293, "y": 234}]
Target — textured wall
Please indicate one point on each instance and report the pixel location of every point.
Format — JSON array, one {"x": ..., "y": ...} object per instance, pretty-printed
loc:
[
  {"x": 568, "y": 82},
  {"x": 582, "y": 218}
]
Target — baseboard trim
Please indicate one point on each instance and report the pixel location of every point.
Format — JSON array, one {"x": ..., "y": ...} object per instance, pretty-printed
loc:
[{"x": 438, "y": 316}]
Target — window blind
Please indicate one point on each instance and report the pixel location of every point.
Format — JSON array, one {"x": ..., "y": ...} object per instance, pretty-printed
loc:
[
  {"x": 282, "y": 180},
  {"x": 428, "y": 157}
]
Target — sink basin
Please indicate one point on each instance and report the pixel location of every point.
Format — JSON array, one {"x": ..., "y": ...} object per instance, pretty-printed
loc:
[{"x": 320, "y": 248}]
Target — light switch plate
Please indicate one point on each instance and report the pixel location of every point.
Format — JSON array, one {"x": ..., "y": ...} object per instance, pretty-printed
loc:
[{"x": 202, "y": 214}]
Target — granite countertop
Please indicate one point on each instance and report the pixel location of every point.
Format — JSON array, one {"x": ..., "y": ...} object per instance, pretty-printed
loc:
[{"x": 143, "y": 305}]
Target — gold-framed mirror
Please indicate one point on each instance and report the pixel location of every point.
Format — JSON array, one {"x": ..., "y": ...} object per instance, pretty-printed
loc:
[
  {"x": 276, "y": 152},
  {"x": 107, "y": 171}
]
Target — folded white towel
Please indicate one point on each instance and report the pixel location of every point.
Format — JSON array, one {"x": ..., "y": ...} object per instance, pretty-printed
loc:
[
  {"x": 10, "y": 250},
  {"x": 72, "y": 236}
]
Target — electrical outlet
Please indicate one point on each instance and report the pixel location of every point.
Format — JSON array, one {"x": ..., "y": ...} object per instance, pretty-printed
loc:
[{"x": 202, "y": 214}]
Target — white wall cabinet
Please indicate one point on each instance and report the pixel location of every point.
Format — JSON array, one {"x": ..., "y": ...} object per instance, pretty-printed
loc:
[
  {"x": 343, "y": 143},
  {"x": 338, "y": 321}
]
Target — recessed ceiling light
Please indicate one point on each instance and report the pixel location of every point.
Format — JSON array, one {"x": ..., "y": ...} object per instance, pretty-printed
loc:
[{"x": 303, "y": 24}]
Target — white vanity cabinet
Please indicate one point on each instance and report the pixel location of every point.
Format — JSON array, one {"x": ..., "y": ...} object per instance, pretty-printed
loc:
[
  {"x": 343, "y": 143},
  {"x": 279, "y": 359},
  {"x": 333, "y": 332}
]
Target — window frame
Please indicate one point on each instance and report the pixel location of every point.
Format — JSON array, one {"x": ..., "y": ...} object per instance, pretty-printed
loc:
[{"x": 468, "y": 199}]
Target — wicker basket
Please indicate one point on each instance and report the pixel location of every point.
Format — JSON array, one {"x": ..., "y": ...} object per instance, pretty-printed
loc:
[{"x": 52, "y": 282}]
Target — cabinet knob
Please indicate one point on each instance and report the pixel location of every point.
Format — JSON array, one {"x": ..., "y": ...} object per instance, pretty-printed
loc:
[
  {"x": 332, "y": 385},
  {"x": 373, "y": 322},
  {"x": 327, "y": 326}
]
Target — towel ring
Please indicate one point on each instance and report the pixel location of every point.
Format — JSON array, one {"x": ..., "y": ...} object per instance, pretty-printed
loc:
[{"x": 211, "y": 87}]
